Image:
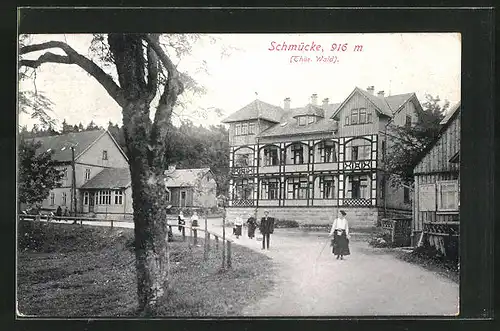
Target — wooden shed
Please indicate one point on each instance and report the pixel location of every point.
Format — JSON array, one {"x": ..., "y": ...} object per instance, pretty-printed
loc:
[{"x": 437, "y": 189}]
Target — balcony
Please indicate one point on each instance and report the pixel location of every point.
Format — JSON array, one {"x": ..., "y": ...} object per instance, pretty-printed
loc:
[
  {"x": 326, "y": 166},
  {"x": 296, "y": 167},
  {"x": 268, "y": 169}
]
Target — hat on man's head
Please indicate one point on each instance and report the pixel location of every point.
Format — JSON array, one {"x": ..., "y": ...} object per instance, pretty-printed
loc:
[{"x": 343, "y": 212}]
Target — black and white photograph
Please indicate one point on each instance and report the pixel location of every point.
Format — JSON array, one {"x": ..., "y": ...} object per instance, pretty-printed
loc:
[{"x": 201, "y": 175}]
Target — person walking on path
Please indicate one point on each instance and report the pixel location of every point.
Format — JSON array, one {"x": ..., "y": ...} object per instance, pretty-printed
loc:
[
  {"x": 181, "y": 220},
  {"x": 252, "y": 225},
  {"x": 266, "y": 228},
  {"x": 340, "y": 232},
  {"x": 238, "y": 223}
]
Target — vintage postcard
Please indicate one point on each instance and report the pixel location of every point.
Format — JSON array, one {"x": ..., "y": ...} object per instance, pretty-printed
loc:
[{"x": 238, "y": 175}]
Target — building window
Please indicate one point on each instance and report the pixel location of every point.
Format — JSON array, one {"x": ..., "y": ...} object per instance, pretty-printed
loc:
[
  {"x": 251, "y": 128},
  {"x": 358, "y": 149},
  {"x": 383, "y": 150},
  {"x": 302, "y": 120},
  {"x": 408, "y": 121},
  {"x": 104, "y": 155},
  {"x": 271, "y": 156},
  {"x": 65, "y": 173},
  {"x": 104, "y": 197},
  {"x": 357, "y": 187},
  {"x": 237, "y": 129},
  {"x": 406, "y": 194},
  {"x": 63, "y": 198},
  {"x": 354, "y": 116},
  {"x": 85, "y": 198},
  {"x": 327, "y": 151},
  {"x": 297, "y": 188},
  {"x": 347, "y": 120},
  {"x": 311, "y": 119},
  {"x": 369, "y": 116},
  {"x": 297, "y": 154},
  {"x": 269, "y": 189},
  {"x": 242, "y": 160},
  {"x": 447, "y": 195},
  {"x": 382, "y": 188},
  {"x": 87, "y": 174},
  {"x": 362, "y": 116},
  {"x": 52, "y": 198},
  {"x": 327, "y": 187},
  {"x": 244, "y": 128},
  {"x": 119, "y": 197},
  {"x": 168, "y": 196},
  {"x": 243, "y": 190}
]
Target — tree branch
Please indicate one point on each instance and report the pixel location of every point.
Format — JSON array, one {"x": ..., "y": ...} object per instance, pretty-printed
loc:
[
  {"x": 152, "y": 71},
  {"x": 73, "y": 57}
]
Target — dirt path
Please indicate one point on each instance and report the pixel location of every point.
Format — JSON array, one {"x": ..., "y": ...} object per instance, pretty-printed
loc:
[{"x": 368, "y": 282}]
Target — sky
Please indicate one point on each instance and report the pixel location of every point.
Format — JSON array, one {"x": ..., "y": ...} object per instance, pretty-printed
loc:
[{"x": 256, "y": 67}]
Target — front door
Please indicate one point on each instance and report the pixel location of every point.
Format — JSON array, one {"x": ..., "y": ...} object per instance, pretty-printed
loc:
[{"x": 91, "y": 202}]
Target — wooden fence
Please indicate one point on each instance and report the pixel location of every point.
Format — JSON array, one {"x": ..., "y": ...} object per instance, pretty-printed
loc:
[
  {"x": 226, "y": 242},
  {"x": 399, "y": 229}
]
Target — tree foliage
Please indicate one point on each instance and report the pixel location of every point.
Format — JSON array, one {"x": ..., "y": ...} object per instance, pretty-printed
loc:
[
  {"x": 407, "y": 143},
  {"x": 37, "y": 173}
]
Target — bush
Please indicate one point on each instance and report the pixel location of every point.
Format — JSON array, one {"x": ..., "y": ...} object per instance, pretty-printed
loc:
[
  {"x": 286, "y": 224},
  {"x": 382, "y": 240}
]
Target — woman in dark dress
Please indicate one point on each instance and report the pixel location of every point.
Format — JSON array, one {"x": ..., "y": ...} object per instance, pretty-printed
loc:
[
  {"x": 340, "y": 232},
  {"x": 252, "y": 225}
]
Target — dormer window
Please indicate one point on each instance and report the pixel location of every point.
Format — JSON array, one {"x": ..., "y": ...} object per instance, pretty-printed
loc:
[
  {"x": 311, "y": 119},
  {"x": 104, "y": 155},
  {"x": 302, "y": 120},
  {"x": 359, "y": 116}
]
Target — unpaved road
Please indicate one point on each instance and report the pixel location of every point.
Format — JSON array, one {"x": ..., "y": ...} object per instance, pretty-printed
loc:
[{"x": 368, "y": 282}]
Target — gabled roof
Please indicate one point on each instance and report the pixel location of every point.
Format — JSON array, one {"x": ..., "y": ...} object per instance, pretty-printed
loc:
[
  {"x": 383, "y": 105},
  {"x": 61, "y": 144},
  {"x": 289, "y": 125},
  {"x": 256, "y": 109},
  {"x": 450, "y": 113},
  {"x": 397, "y": 101},
  {"x": 185, "y": 177},
  {"x": 446, "y": 122},
  {"x": 109, "y": 178}
]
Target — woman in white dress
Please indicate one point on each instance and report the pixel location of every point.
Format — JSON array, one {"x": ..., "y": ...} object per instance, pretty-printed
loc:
[{"x": 340, "y": 232}]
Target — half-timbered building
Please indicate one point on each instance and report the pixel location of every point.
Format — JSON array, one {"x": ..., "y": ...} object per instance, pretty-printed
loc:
[
  {"x": 305, "y": 163},
  {"x": 437, "y": 188}
]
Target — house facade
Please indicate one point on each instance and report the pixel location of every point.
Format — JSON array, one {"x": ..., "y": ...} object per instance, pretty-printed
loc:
[
  {"x": 305, "y": 163},
  {"x": 96, "y": 156},
  {"x": 103, "y": 182},
  {"x": 191, "y": 188},
  {"x": 436, "y": 217}
]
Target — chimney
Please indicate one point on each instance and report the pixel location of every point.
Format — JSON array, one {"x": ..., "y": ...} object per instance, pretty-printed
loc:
[
  {"x": 380, "y": 94},
  {"x": 287, "y": 104},
  {"x": 314, "y": 99},
  {"x": 370, "y": 89},
  {"x": 325, "y": 103}
]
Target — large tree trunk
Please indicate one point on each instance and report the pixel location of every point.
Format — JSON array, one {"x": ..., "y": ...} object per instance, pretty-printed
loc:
[{"x": 150, "y": 209}]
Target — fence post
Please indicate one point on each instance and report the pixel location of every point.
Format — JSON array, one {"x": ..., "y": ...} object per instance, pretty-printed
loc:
[
  {"x": 393, "y": 231},
  {"x": 224, "y": 239},
  {"x": 208, "y": 242},
  {"x": 183, "y": 233},
  {"x": 229, "y": 254},
  {"x": 216, "y": 242},
  {"x": 205, "y": 250},
  {"x": 111, "y": 223},
  {"x": 195, "y": 237}
]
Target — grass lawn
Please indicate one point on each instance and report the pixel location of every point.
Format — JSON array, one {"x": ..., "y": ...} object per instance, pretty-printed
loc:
[{"x": 72, "y": 271}]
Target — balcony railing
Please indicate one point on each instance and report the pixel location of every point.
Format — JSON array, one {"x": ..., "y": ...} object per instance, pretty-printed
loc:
[
  {"x": 357, "y": 202},
  {"x": 242, "y": 202},
  {"x": 357, "y": 165},
  {"x": 442, "y": 228},
  {"x": 242, "y": 171}
]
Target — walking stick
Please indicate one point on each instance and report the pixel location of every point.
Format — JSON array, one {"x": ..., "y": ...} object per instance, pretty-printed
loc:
[{"x": 322, "y": 250}]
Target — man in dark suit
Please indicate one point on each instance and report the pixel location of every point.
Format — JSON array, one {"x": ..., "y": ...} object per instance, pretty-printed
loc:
[{"x": 266, "y": 228}]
